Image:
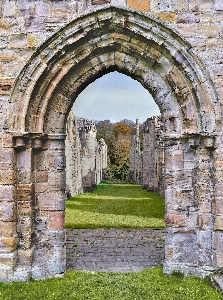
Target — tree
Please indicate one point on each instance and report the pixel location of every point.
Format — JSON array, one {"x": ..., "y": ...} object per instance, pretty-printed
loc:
[{"x": 118, "y": 138}]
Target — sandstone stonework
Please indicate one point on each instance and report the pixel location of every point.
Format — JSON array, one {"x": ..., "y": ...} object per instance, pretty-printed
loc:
[
  {"x": 86, "y": 158},
  {"x": 50, "y": 51},
  {"x": 147, "y": 166}
]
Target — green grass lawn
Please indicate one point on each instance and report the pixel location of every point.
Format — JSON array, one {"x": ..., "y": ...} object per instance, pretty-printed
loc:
[
  {"x": 116, "y": 206},
  {"x": 149, "y": 285}
]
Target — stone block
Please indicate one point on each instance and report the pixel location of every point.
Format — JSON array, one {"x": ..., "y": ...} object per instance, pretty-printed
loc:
[
  {"x": 41, "y": 187},
  {"x": 204, "y": 239},
  {"x": 24, "y": 160},
  {"x": 56, "y": 220},
  {"x": 174, "y": 161},
  {"x": 218, "y": 223},
  {"x": 7, "y": 140},
  {"x": 50, "y": 201},
  {"x": 205, "y": 206},
  {"x": 187, "y": 30},
  {"x": 205, "y": 221},
  {"x": 7, "y": 229},
  {"x": 56, "y": 145},
  {"x": 100, "y": 2},
  {"x": 218, "y": 259},
  {"x": 177, "y": 5},
  {"x": 6, "y": 57},
  {"x": 174, "y": 220},
  {"x": 25, "y": 192},
  {"x": 8, "y": 244},
  {"x": 6, "y": 85},
  {"x": 41, "y": 176},
  {"x": 10, "y": 9},
  {"x": 118, "y": 2},
  {"x": 188, "y": 18},
  {"x": 218, "y": 187},
  {"x": 218, "y": 5},
  {"x": 166, "y": 17},
  {"x": 42, "y": 9},
  {"x": 8, "y": 260},
  {"x": 218, "y": 164},
  {"x": 218, "y": 241},
  {"x": 57, "y": 181},
  {"x": 7, "y": 211},
  {"x": 21, "y": 273},
  {"x": 201, "y": 5},
  {"x": 34, "y": 40},
  {"x": 18, "y": 41},
  {"x": 208, "y": 30},
  {"x": 25, "y": 257},
  {"x": 25, "y": 208},
  {"x": 142, "y": 5},
  {"x": 218, "y": 70},
  {"x": 218, "y": 205},
  {"x": 7, "y": 192}
]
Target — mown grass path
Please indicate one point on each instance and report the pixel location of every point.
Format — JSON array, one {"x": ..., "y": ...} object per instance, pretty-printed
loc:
[{"x": 116, "y": 206}]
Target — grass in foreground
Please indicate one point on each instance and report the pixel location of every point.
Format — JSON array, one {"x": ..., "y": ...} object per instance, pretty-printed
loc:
[
  {"x": 150, "y": 284},
  {"x": 116, "y": 206}
]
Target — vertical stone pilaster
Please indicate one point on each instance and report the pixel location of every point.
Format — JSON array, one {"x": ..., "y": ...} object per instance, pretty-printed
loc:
[
  {"x": 50, "y": 253},
  {"x": 25, "y": 202},
  {"x": 218, "y": 207},
  {"x": 181, "y": 247},
  {"x": 204, "y": 187},
  {"x": 8, "y": 215}
]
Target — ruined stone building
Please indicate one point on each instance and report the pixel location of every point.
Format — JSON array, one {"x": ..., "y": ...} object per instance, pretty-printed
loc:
[
  {"x": 86, "y": 158},
  {"x": 49, "y": 52},
  {"x": 147, "y": 166}
]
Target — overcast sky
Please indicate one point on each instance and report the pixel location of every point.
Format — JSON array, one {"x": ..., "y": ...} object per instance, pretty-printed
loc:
[{"x": 115, "y": 96}]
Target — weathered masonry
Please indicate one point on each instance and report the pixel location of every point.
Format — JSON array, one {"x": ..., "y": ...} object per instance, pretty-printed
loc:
[
  {"x": 50, "y": 51},
  {"x": 86, "y": 158},
  {"x": 147, "y": 166}
]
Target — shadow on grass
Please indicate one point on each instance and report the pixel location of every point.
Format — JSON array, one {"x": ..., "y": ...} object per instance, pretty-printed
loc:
[{"x": 125, "y": 204}]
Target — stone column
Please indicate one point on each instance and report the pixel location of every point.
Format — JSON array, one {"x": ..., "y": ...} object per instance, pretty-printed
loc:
[
  {"x": 218, "y": 206},
  {"x": 189, "y": 198},
  {"x": 8, "y": 234},
  {"x": 25, "y": 203},
  {"x": 50, "y": 253},
  {"x": 204, "y": 185},
  {"x": 181, "y": 247}
]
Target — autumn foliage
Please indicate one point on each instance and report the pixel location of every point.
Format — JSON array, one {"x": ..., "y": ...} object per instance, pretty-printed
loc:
[{"x": 118, "y": 138}]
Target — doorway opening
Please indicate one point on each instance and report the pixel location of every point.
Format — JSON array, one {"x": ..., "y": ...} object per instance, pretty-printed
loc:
[{"x": 118, "y": 227}]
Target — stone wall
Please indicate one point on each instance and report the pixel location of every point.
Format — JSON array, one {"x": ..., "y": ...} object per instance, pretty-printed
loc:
[
  {"x": 50, "y": 51},
  {"x": 147, "y": 166},
  {"x": 86, "y": 158},
  {"x": 25, "y": 25}
]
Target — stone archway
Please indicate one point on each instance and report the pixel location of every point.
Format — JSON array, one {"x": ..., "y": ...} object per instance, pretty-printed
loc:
[{"x": 94, "y": 44}]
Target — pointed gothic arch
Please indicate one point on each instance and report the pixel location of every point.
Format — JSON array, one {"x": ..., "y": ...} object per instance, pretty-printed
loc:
[{"x": 165, "y": 64}]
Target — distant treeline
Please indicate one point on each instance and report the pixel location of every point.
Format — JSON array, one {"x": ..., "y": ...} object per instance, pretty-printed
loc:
[{"x": 118, "y": 137}]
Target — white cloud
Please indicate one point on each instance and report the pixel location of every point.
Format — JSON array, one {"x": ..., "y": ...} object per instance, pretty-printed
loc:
[{"x": 115, "y": 96}]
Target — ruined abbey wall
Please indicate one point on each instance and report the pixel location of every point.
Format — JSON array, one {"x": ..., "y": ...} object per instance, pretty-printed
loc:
[
  {"x": 49, "y": 52},
  {"x": 147, "y": 166},
  {"x": 86, "y": 158}
]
